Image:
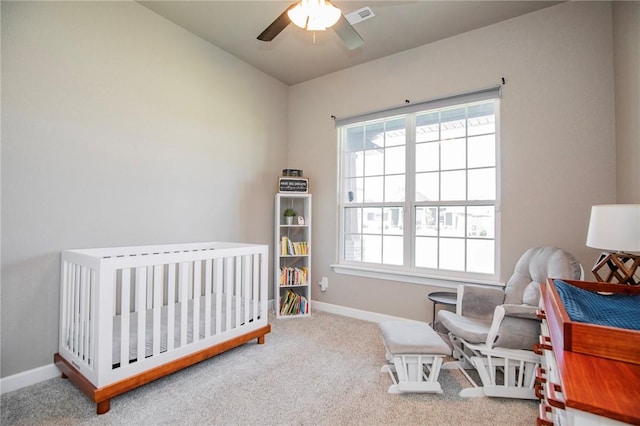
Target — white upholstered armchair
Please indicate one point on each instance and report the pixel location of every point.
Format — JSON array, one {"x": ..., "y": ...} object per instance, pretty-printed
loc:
[{"x": 493, "y": 330}]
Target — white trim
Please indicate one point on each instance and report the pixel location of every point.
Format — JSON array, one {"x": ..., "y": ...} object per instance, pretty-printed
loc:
[
  {"x": 28, "y": 378},
  {"x": 411, "y": 277},
  {"x": 357, "y": 313}
]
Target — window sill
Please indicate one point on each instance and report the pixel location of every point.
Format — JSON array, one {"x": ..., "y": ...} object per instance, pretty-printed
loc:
[{"x": 411, "y": 277}]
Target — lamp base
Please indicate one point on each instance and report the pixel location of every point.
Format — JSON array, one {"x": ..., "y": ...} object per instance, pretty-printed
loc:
[{"x": 621, "y": 267}]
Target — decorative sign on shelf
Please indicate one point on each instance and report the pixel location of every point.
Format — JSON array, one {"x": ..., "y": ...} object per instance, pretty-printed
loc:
[{"x": 293, "y": 184}]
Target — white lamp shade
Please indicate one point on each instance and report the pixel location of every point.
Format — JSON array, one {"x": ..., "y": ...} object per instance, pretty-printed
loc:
[{"x": 615, "y": 227}]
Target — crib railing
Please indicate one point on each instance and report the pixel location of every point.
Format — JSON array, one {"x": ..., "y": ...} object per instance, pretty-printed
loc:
[{"x": 126, "y": 310}]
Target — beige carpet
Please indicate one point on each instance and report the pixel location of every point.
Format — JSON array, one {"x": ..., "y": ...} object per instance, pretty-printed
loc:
[{"x": 322, "y": 370}]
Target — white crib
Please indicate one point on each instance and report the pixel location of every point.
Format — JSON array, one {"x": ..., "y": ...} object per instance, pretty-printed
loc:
[{"x": 175, "y": 304}]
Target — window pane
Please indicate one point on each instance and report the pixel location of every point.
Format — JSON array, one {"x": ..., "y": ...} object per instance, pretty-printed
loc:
[
  {"x": 427, "y": 186},
  {"x": 481, "y": 221},
  {"x": 394, "y": 188},
  {"x": 480, "y": 256},
  {"x": 374, "y": 135},
  {"x": 353, "y": 247},
  {"x": 394, "y": 160},
  {"x": 371, "y": 248},
  {"x": 482, "y": 184},
  {"x": 452, "y": 254},
  {"x": 353, "y": 164},
  {"x": 392, "y": 250},
  {"x": 452, "y": 221},
  {"x": 427, "y": 221},
  {"x": 482, "y": 119},
  {"x": 453, "y": 185},
  {"x": 372, "y": 220},
  {"x": 353, "y": 220},
  {"x": 426, "y": 252},
  {"x": 395, "y": 132},
  {"x": 427, "y": 157},
  {"x": 373, "y": 189},
  {"x": 353, "y": 190},
  {"x": 355, "y": 139},
  {"x": 393, "y": 223},
  {"x": 453, "y": 154},
  {"x": 428, "y": 127},
  {"x": 453, "y": 123},
  {"x": 482, "y": 151},
  {"x": 374, "y": 162}
]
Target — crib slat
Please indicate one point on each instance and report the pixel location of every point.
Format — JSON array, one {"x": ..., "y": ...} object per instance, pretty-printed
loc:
[
  {"x": 92, "y": 316},
  {"x": 197, "y": 291},
  {"x": 218, "y": 287},
  {"x": 256, "y": 285},
  {"x": 246, "y": 286},
  {"x": 184, "y": 300},
  {"x": 81, "y": 313},
  {"x": 149, "y": 287},
  {"x": 157, "y": 307},
  {"x": 228, "y": 288},
  {"x": 64, "y": 305},
  {"x": 208, "y": 286},
  {"x": 141, "y": 311},
  {"x": 171, "y": 299},
  {"x": 69, "y": 310},
  {"x": 238, "y": 289},
  {"x": 125, "y": 307},
  {"x": 76, "y": 309},
  {"x": 84, "y": 314}
]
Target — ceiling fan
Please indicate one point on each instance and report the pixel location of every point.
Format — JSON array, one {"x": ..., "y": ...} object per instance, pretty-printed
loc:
[{"x": 314, "y": 15}]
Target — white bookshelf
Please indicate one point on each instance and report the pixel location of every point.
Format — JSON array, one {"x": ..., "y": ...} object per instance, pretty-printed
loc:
[{"x": 292, "y": 257}]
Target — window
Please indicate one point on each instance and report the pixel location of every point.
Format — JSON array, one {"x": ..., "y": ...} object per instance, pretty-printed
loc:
[{"x": 419, "y": 188}]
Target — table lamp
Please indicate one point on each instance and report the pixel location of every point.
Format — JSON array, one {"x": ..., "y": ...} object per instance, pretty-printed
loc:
[{"x": 616, "y": 229}]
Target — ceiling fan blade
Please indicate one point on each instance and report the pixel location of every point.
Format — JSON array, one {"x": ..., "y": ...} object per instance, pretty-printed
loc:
[
  {"x": 276, "y": 26},
  {"x": 347, "y": 33}
]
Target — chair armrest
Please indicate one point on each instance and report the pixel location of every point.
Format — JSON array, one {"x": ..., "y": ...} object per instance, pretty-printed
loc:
[
  {"x": 478, "y": 302},
  {"x": 513, "y": 328},
  {"x": 521, "y": 311}
]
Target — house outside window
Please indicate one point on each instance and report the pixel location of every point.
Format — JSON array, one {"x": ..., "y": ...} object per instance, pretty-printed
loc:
[{"x": 418, "y": 188}]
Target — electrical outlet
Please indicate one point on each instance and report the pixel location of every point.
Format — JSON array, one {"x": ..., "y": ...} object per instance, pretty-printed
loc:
[{"x": 324, "y": 284}]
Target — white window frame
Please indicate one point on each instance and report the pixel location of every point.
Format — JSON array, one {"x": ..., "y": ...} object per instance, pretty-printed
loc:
[{"x": 433, "y": 277}]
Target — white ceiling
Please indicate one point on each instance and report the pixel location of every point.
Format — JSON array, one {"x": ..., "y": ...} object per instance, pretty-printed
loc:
[{"x": 293, "y": 56}]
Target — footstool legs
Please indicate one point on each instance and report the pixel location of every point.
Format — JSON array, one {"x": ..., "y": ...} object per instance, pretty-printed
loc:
[
  {"x": 414, "y": 373},
  {"x": 415, "y": 353}
]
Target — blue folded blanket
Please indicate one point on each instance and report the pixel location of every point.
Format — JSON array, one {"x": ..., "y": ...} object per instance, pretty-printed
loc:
[{"x": 616, "y": 310}]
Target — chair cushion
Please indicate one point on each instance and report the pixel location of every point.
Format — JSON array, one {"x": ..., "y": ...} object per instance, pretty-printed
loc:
[
  {"x": 406, "y": 337},
  {"x": 537, "y": 264},
  {"x": 532, "y": 294},
  {"x": 469, "y": 329}
]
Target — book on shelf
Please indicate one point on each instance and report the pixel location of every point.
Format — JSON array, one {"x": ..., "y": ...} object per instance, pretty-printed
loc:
[
  {"x": 293, "y": 248},
  {"x": 293, "y": 304},
  {"x": 293, "y": 276}
]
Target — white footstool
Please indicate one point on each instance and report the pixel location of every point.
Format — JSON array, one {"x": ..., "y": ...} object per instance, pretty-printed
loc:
[{"x": 414, "y": 352}]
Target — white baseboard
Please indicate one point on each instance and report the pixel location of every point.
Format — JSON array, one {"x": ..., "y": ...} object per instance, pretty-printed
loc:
[
  {"x": 28, "y": 378},
  {"x": 40, "y": 374},
  {"x": 355, "y": 313}
]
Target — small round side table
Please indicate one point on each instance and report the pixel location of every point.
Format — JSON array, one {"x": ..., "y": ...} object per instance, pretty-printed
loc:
[{"x": 442, "y": 298}]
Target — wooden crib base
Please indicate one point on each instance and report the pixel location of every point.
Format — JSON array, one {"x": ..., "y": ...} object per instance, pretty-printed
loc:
[{"x": 102, "y": 396}]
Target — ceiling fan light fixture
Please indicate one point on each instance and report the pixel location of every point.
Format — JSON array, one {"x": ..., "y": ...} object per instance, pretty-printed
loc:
[{"x": 314, "y": 15}]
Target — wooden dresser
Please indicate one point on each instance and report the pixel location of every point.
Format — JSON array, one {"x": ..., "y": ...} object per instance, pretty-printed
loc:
[{"x": 576, "y": 388}]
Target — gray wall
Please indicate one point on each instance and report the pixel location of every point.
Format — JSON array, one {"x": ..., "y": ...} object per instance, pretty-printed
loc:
[
  {"x": 120, "y": 128},
  {"x": 626, "y": 37},
  {"x": 557, "y": 148}
]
